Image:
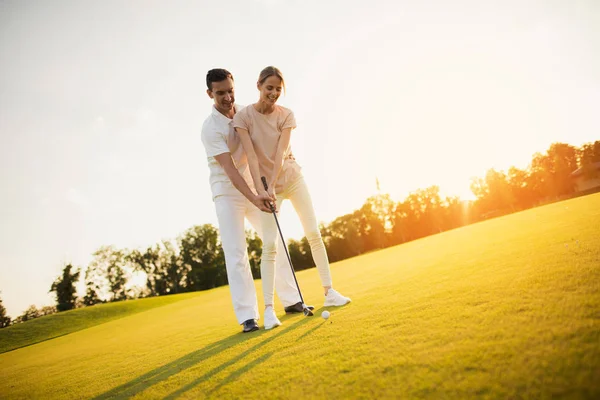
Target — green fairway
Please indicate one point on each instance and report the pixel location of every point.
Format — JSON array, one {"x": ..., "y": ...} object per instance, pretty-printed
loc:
[
  {"x": 48, "y": 327},
  {"x": 507, "y": 308}
]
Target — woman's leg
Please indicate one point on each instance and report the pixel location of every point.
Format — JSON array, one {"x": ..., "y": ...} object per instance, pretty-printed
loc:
[
  {"x": 285, "y": 286},
  {"x": 300, "y": 197},
  {"x": 269, "y": 252}
]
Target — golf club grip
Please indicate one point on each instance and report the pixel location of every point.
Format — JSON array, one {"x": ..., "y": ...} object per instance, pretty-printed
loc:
[{"x": 264, "y": 181}]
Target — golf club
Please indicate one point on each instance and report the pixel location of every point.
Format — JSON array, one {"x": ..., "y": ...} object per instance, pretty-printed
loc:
[{"x": 307, "y": 312}]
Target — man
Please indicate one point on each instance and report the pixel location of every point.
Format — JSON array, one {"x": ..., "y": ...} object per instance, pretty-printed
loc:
[{"x": 235, "y": 200}]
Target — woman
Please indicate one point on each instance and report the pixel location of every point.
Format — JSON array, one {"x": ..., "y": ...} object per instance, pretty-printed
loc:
[{"x": 265, "y": 129}]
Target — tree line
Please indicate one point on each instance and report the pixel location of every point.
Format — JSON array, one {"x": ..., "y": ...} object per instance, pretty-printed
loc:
[
  {"x": 381, "y": 222},
  {"x": 195, "y": 261}
]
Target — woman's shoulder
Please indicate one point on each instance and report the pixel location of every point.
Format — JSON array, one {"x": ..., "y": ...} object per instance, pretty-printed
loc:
[
  {"x": 283, "y": 110},
  {"x": 285, "y": 114},
  {"x": 242, "y": 115}
]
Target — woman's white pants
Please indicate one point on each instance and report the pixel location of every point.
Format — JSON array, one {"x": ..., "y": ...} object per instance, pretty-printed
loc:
[{"x": 299, "y": 195}]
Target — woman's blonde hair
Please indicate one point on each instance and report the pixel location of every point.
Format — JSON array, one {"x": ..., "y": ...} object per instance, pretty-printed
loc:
[{"x": 271, "y": 71}]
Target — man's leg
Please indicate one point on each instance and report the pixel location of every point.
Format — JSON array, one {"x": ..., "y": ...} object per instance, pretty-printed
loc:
[
  {"x": 230, "y": 213},
  {"x": 285, "y": 286}
]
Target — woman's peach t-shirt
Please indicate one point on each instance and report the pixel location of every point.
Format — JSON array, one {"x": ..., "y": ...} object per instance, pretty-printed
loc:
[{"x": 265, "y": 130}]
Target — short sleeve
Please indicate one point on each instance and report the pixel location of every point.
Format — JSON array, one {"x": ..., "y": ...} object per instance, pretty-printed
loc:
[
  {"x": 214, "y": 142},
  {"x": 289, "y": 121},
  {"x": 240, "y": 119}
]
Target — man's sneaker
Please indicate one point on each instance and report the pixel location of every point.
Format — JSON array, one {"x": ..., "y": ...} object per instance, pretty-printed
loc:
[
  {"x": 271, "y": 320},
  {"x": 250, "y": 325},
  {"x": 296, "y": 308},
  {"x": 333, "y": 298}
]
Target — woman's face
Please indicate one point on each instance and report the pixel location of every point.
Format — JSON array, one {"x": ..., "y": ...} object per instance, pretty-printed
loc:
[{"x": 270, "y": 89}]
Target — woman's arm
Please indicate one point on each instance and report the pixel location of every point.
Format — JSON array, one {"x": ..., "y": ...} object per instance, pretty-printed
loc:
[
  {"x": 282, "y": 146},
  {"x": 252, "y": 159}
]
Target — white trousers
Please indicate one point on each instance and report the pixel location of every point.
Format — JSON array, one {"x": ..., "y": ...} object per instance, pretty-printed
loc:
[
  {"x": 299, "y": 195},
  {"x": 231, "y": 211}
]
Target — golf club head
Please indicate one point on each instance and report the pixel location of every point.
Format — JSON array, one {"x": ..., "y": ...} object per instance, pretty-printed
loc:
[{"x": 308, "y": 312}]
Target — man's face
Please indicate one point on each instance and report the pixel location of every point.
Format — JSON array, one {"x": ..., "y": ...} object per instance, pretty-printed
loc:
[{"x": 223, "y": 95}]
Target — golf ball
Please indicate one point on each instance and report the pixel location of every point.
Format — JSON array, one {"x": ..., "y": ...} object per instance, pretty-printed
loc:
[{"x": 325, "y": 314}]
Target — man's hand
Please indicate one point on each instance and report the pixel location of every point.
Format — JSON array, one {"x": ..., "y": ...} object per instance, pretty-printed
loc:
[{"x": 262, "y": 201}]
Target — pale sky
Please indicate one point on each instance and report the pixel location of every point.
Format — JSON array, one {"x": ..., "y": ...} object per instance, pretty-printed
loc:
[{"x": 101, "y": 104}]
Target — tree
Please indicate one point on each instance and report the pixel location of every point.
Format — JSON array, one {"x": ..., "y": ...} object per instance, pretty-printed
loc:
[
  {"x": 64, "y": 288},
  {"x": 432, "y": 210},
  {"x": 587, "y": 156},
  {"x": 174, "y": 272},
  {"x": 91, "y": 294},
  {"x": 47, "y": 310},
  {"x": 494, "y": 194},
  {"x": 404, "y": 223},
  {"x": 4, "y": 318},
  {"x": 117, "y": 279},
  {"x": 422, "y": 213},
  {"x": 500, "y": 194},
  {"x": 455, "y": 213},
  {"x": 254, "y": 252},
  {"x": 30, "y": 313},
  {"x": 163, "y": 268},
  {"x": 107, "y": 274},
  {"x": 202, "y": 258},
  {"x": 376, "y": 221},
  {"x": 300, "y": 254},
  {"x": 550, "y": 173},
  {"x": 522, "y": 193},
  {"x": 563, "y": 161},
  {"x": 539, "y": 180},
  {"x": 343, "y": 237}
]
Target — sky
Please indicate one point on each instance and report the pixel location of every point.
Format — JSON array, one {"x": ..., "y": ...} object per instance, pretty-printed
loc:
[{"x": 101, "y": 105}]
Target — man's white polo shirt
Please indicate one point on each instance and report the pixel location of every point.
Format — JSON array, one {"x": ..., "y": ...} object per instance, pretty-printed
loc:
[{"x": 218, "y": 137}]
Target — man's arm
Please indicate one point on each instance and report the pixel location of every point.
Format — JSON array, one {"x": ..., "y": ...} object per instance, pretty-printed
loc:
[{"x": 260, "y": 201}]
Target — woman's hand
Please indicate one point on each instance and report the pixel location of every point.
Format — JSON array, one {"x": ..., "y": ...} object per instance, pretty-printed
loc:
[{"x": 264, "y": 201}]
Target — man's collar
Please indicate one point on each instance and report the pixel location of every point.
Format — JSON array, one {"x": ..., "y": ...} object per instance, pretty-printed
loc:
[{"x": 222, "y": 117}]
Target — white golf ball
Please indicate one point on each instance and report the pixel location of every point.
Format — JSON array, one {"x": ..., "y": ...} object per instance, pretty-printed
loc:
[{"x": 325, "y": 314}]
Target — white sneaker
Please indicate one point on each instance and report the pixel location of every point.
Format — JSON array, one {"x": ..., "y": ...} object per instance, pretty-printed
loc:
[
  {"x": 271, "y": 320},
  {"x": 334, "y": 298}
]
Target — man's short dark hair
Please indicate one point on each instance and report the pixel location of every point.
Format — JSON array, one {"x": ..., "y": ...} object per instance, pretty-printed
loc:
[{"x": 217, "y": 75}]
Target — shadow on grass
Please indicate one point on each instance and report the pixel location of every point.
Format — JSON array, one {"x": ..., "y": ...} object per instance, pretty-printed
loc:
[
  {"x": 308, "y": 332},
  {"x": 166, "y": 371},
  {"x": 237, "y": 373}
]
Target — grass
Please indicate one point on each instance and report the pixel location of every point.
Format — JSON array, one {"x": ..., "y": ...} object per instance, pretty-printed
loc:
[
  {"x": 52, "y": 326},
  {"x": 507, "y": 308}
]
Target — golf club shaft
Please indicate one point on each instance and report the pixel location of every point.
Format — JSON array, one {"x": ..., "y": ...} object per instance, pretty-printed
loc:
[{"x": 264, "y": 181}]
